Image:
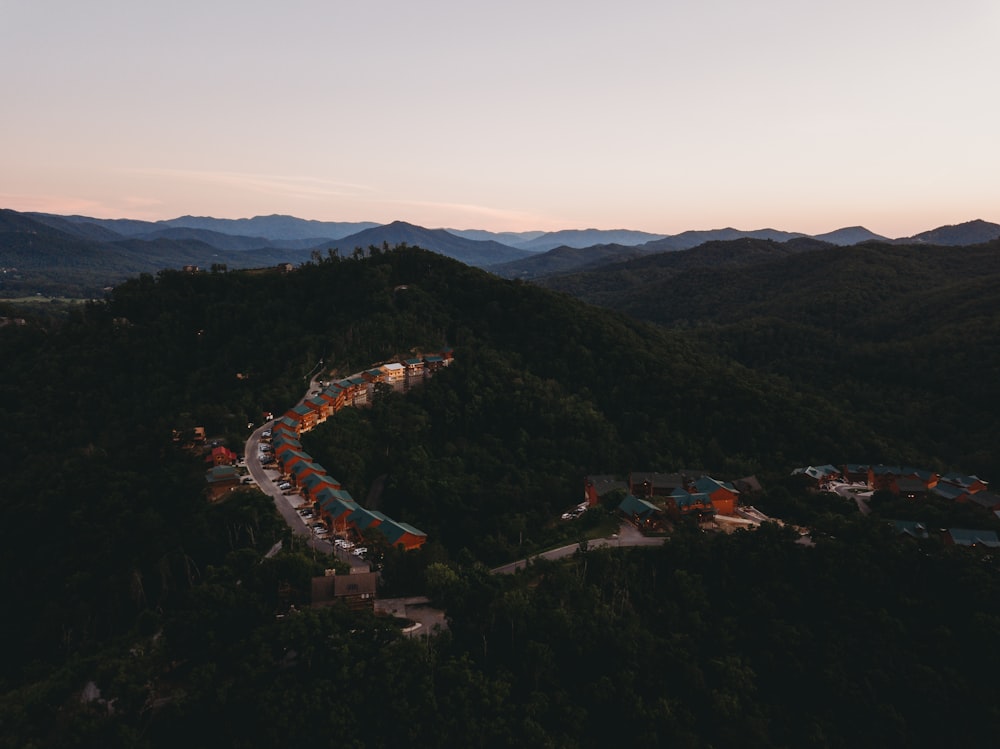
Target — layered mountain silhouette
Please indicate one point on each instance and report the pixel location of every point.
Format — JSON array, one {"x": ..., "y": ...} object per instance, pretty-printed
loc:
[{"x": 42, "y": 252}]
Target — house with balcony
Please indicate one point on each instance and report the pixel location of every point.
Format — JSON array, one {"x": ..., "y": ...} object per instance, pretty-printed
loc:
[{"x": 722, "y": 495}]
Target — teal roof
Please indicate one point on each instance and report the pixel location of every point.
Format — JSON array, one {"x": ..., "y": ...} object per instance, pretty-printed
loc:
[
  {"x": 317, "y": 479},
  {"x": 362, "y": 518},
  {"x": 960, "y": 480},
  {"x": 632, "y": 505},
  {"x": 338, "y": 507},
  {"x": 966, "y": 537},
  {"x": 304, "y": 465},
  {"x": 989, "y": 500},
  {"x": 687, "y": 499},
  {"x": 708, "y": 485},
  {"x": 948, "y": 491},
  {"x": 221, "y": 473},
  {"x": 328, "y": 494},
  {"x": 394, "y": 531},
  {"x": 286, "y": 457},
  {"x": 302, "y": 410}
]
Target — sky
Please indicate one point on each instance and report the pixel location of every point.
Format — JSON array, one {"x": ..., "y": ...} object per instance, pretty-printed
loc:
[{"x": 659, "y": 115}]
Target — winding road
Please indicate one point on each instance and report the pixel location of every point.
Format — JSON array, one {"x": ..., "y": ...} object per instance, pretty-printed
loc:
[{"x": 265, "y": 478}]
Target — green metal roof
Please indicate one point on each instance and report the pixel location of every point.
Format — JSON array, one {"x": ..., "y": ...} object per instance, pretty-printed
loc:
[{"x": 632, "y": 505}]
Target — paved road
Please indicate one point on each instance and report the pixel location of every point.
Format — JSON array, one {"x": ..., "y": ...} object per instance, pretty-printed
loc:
[
  {"x": 286, "y": 505},
  {"x": 628, "y": 535},
  {"x": 416, "y": 609}
]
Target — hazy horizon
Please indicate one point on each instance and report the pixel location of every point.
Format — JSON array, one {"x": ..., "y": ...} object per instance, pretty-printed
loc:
[{"x": 649, "y": 116}]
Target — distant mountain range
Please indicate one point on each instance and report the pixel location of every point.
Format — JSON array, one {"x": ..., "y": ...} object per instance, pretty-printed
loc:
[{"x": 41, "y": 252}]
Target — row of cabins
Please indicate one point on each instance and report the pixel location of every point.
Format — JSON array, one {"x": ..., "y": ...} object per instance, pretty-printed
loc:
[
  {"x": 334, "y": 504},
  {"x": 950, "y": 536},
  {"x": 907, "y": 482},
  {"x": 357, "y": 389},
  {"x": 651, "y": 497}
]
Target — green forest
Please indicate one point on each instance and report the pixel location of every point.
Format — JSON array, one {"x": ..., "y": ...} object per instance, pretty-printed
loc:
[{"x": 170, "y": 607}]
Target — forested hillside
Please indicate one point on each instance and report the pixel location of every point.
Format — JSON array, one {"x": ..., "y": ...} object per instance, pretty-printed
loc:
[
  {"x": 904, "y": 337},
  {"x": 122, "y": 573}
]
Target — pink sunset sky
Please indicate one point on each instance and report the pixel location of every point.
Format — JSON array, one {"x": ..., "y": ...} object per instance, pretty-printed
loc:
[{"x": 660, "y": 116}]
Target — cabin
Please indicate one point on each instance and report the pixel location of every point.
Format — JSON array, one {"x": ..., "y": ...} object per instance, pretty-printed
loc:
[
  {"x": 970, "y": 484},
  {"x": 950, "y": 492},
  {"x": 314, "y": 483},
  {"x": 362, "y": 519},
  {"x": 336, "y": 506},
  {"x": 972, "y": 538},
  {"x": 414, "y": 369},
  {"x": 355, "y": 590},
  {"x": 723, "y": 496},
  {"x": 357, "y": 390},
  {"x": 986, "y": 500},
  {"x": 819, "y": 475},
  {"x": 334, "y": 397},
  {"x": 697, "y": 504},
  {"x": 433, "y": 363},
  {"x": 402, "y": 534},
  {"x": 221, "y": 456},
  {"x": 320, "y": 407},
  {"x": 595, "y": 487},
  {"x": 304, "y": 415},
  {"x": 855, "y": 472},
  {"x": 373, "y": 375},
  {"x": 394, "y": 374},
  {"x": 304, "y": 468},
  {"x": 642, "y": 513},
  {"x": 283, "y": 444},
  {"x": 290, "y": 457},
  {"x": 285, "y": 425},
  {"x": 221, "y": 480},
  {"x": 909, "y": 488},
  {"x": 644, "y": 484}
]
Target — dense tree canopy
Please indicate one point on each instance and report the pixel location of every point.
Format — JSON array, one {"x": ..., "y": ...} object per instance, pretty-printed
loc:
[{"x": 168, "y": 604}]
